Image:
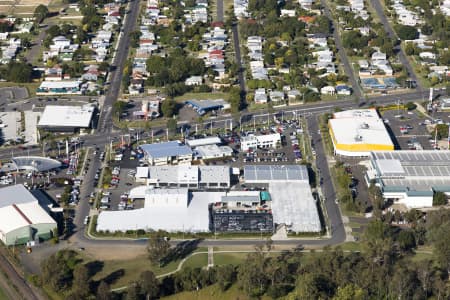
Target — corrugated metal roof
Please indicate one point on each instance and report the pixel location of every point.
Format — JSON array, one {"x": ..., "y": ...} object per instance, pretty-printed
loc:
[
  {"x": 172, "y": 148},
  {"x": 266, "y": 173}
]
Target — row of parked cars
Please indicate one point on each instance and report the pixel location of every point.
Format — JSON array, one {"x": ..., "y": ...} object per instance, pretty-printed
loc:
[
  {"x": 73, "y": 163},
  {"x": 295, "y": 147}
]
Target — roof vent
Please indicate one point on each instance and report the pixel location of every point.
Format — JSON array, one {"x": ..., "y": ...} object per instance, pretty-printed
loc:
[
  {"x": 364, "y": 126},
  {"x": 358, "y": 138}
]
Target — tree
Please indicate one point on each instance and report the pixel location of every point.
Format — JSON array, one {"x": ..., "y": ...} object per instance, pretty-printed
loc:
[
  {"x": 57, "y": 269},
  {"x": 40, "y": 13},
  {"x": 158, "y": 247},
  {"x": 15, "y": 71},
  {"x": 235, "y": 99},
  {"x": 439, "y": 198},
  {"x": 172, "y": 125},
  {"x": 149, "y": 284},
  {"x": 441, "y": 130},
  {"x": 226, "y": 276},
  {"x": 350, "y": 292},
  {"x": 410, "y": 49},
  {"x": 134, "y": 38},
  {"x": 119, "y": 108},
  {"x": 81, "y": 280},
  {"x": 133, "y": 291},
  {"x": 103, "y": 66},
  {"x": 103, "y": 291},
  {"x": 406, "y": 240},
  {"x": 406, "y": 32},
  {"x": 168, "y": 108},
  {"x": 410, "y": 106}
]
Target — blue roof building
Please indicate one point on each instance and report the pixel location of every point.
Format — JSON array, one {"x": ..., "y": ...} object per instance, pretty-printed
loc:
[
  {"x": 204, "y": 106},
  {"x": 165, "y": 153}
]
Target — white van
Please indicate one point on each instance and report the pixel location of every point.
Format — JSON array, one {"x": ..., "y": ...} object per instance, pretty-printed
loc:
[{"x": 105, "y": 200}]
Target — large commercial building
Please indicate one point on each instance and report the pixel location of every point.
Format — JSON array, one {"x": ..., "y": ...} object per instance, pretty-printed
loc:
[
  {"x": 253, "y": 142},
  {"x": 358, "y": 132},
  {"x": 185, "y": 176},
  {"x": 165, "y": 153},
  {"x": 410, "y": 177},
  {"x": 208, "y": 148},
  {"x": 173, "y": 210},
  {"x": 292, "y": 201},
  {"x": 66, "y": 118},
  {"x": 59, "y": 88},
  {"x": 186, "y": 198},
  {"x": 22, "y": 218}
]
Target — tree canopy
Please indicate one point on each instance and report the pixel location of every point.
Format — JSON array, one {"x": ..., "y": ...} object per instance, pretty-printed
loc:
[
  {"x": 40, "y": 13},
  {"x": 406, "y": 32}
]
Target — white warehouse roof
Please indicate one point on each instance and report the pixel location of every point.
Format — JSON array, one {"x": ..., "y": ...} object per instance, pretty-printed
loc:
[
  {"x": 204, "y": 141},
  {"x": 19, "y": 208},
  {"x": 357, "y": 132},
  {"x": 66, "y": 116},
  {"x": 193, "y": 218}
]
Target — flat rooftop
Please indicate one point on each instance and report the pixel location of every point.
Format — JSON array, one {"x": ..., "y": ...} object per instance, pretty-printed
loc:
[
  {"x": 269, "y": 173},
  {"x": 294, "y": 206},
  {"x": 166, "y": 149},
  {"x": 193, "y": 218},
  {"x": 212, "y": 140},
  {"x": 66, "y": 116},
  {"x": 413, "y": 170},
  {"x": 353, "y": 131},
  {"x": 189, "y": 174}
]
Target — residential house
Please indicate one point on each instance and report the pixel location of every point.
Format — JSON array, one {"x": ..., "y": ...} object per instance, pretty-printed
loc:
[
  {"x": 61, "y": 42},
  {"x": 343, "y": 90},
  {"x": 193, "y": 80},
  {"x": 328, "y": 90},
  {"x": 276, "y": 96},
  {"x": 260, "y": 96},
  {"x": 53, "y": 74}
]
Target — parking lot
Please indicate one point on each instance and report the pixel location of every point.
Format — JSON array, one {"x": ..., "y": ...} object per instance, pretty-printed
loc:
[
  {"x": 125, "y": 182},
  {"x": 12, "y": 93},
  {"x": 408, "y": 129}
]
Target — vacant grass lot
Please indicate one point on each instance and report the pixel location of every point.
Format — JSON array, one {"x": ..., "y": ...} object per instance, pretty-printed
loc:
[{"x": 201, "y": 96}]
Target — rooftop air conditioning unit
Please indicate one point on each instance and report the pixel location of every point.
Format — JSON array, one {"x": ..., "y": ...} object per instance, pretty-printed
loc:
[{"x": 358, "y": 138}]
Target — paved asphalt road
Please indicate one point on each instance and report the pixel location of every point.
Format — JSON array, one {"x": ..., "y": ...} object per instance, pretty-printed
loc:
[
  {"x": 390, "y": 31},
  {"x": 36, "y": 49},
  {"x": 100, "y": 139},
  {"x": 105, "y": 122},
  {"x": 237, "y": 51},
  {"x": 344, "y": 58},
  {"x": 219, "y": 4},
  {"x": 332, "y": 209}
]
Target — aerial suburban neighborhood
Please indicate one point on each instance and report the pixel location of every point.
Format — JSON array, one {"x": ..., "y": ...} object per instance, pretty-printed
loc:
[{"x": 218, "y": 149}]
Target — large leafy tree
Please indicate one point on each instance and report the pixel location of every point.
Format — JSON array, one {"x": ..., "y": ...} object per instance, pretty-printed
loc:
[
  {"x": 158, "y": 247},
  {"x": 40, "y": 13}
]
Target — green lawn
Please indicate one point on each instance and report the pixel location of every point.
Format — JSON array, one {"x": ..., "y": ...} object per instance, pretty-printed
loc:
[
  {"x": 229, "y": 258},
  {"x": 195, "y": 261},
  {"x": 3, "y": 295},
  {"x": 131, "y": 269}
]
